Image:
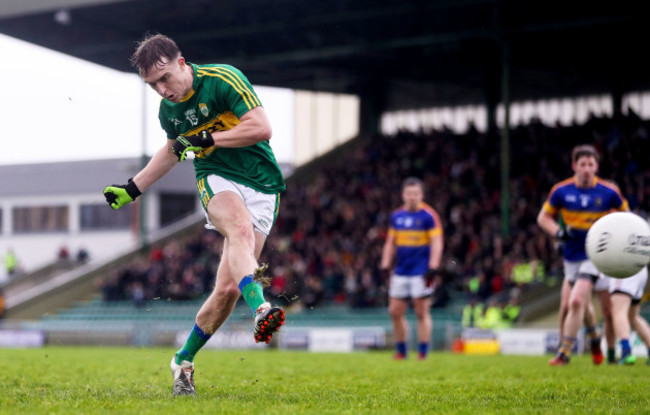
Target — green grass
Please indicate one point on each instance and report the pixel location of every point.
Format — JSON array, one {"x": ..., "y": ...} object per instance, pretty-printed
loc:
[{"x": 86, "y": 380}]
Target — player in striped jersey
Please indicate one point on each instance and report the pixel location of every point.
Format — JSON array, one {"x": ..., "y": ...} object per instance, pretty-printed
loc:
[
  {"x": 213, "y": 111},
  {"x": 578, "y": 202},
  {"x": 415, "y": 238}
]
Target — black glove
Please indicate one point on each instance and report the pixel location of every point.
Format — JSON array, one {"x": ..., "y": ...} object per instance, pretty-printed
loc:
[
  {"x": 564, "y": 234},
  {"x": 118, "y": 195},
  {"x": 195, "y": 143},
  {"x": 384, "y": 279},
  {"x": 430, "y": 276},
  {"x": 384, "y": 275}
]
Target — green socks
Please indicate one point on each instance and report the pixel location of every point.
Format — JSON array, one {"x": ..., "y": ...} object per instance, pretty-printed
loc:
[
  {"x": 254, "y": 296},
  {"x": 252, "y": 292},
  {"x": 193, "y": 344}
]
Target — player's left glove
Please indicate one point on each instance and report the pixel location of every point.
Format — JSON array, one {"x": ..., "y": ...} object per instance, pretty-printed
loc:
[
  {"x": 430, "y": 276},
  {"x": 195, "y": 143},
  {"x": 384, "y": 275},
  {"x": 564, "y": 234},
  {"x": 384, "y": 279},
  {"x": 118, "y": 195}
]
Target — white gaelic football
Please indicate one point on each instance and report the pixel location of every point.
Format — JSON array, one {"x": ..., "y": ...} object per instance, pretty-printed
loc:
[{"x": 619, "y": 244}]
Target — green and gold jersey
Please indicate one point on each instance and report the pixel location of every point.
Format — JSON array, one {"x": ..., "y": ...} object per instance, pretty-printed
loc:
[{"x": 220, "y": 95}]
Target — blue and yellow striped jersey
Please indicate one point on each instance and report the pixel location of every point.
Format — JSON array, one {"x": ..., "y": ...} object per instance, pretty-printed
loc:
[
  {"x": 580, "y": 207},
  {"x": 413, "y": 232}
]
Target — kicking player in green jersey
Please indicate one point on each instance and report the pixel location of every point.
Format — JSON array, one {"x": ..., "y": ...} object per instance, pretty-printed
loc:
[{"x": 213, "y": 111}]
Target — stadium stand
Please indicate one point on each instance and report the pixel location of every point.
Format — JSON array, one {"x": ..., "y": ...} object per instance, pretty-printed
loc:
[{"x": 325, "y": 248}]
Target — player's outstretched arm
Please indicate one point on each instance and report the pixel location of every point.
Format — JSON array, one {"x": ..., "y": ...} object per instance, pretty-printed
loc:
[{"x": 161, "y": 163}]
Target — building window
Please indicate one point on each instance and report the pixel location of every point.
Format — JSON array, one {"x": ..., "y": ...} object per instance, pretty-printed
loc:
[
  {"x": 175, "y": 206},
  {"x": 102, "y": 217},
  {"x": 40, "y": 219}
]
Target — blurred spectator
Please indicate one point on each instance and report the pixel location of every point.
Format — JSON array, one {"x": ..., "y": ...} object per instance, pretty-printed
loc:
[
  {"x": 472, "y": 313},
  {"x": 11, "y": 263},
  {"x": 82, "y": 255},
  {"x": 2, "y": 303},
  {"x": 63, "y": 255},
  {"x": 477, "y": 285},
  {"x": 526, "y": 272},
  {"x": 313, "y": 294},
  {"x": 137, "y": 293},
  {"x": 511, "y": 310},
  {"x": 493, "y": 318}
]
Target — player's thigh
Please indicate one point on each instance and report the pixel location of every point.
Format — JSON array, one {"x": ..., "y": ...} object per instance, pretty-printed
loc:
[
  {"x": 621, "y": 303},
  {"x": 224, "y": 205},
  {"x": 581, "y": 292},
  {"x": 397, "y": 306},
  {"x": 605, "y": 301},
  {"x": 229, "y": 215},
  {"x": 422, "y": 306},
  {"x": 262, "y": 208}
]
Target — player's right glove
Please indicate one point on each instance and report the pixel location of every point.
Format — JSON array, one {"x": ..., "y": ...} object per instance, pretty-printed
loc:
[
  {"x": 118, "y": 195},
  {"x": 195, "y": 143},
  {"x": 384, "y": 279},
  {"x": 564, "y": 234}
]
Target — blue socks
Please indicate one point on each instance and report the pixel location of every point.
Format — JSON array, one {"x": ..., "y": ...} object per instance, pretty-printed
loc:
[
  {"x": 625, "y": 347},
  {"x": 423, "y": 349},
  {"x": 400, "y": 347}
]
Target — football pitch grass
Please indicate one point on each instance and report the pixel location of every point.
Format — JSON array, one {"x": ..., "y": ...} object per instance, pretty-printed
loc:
[{"x": 103, "y": 380}]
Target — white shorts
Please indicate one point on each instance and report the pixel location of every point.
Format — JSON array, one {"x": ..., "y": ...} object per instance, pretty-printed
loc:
[
  {"x": 262, "y": 207},
  {"x": 632, "y": 286},
  {"x": 572, "y": 269},
  {"x": 412, "y": 286}
]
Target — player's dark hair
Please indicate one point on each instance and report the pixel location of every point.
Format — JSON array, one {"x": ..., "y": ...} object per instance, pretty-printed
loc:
[
  {"x": 154, "y": 50},
  {"x": 584, "y": 150},
  {"x": 412, "y": 181}
]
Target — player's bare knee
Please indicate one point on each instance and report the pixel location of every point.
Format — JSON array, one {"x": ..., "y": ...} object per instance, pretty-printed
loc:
[
  {"x": 242, "y": 234},
  {"x": 421, "y": 315},
  {"x": 395, "y": 312},
  {"x": 577, "y": 303},
  {"x": 229, "y": 294}
]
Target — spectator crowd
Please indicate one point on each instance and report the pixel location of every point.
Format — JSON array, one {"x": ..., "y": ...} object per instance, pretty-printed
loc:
[{"x": 326, "y": 244}]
